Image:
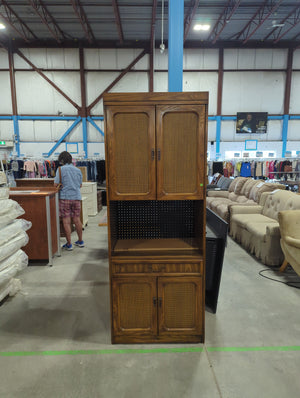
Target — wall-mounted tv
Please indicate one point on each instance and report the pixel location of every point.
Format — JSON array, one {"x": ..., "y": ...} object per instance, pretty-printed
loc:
[{"x": 251, "y": 122}]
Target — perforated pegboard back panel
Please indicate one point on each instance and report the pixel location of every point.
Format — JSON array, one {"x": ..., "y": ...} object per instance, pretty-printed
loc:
[{"x": 153, "y": 219}]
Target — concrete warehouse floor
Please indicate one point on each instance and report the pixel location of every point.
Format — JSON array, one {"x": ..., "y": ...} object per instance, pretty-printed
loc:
[{"x": 251, "y": 348}]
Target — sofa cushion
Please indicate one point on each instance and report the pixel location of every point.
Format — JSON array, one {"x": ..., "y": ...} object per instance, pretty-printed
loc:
[
  {"x": 239, "y": 185},
  {"x": 259, "y": 229},
  {"x": 241, "y": 199},
  {"x": 268, "y": 187},
  {"x": 220, "y": 180},
  {"x": 233, "y": 196},
  {"x": 247, "y": 187},
  {"x": 226, "y": 183},
  {"x": 253, "y": 193},
  {"x": 235, "y": 182},
  {"x": 278, "y": 201},
  {"x": 215, "y": 203},
  {"x": 244, "y": 219},
  {"x": 223, "y": 211}
]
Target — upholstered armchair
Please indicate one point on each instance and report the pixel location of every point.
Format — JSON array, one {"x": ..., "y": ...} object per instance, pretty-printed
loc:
[{"x": 289, "y": 222}]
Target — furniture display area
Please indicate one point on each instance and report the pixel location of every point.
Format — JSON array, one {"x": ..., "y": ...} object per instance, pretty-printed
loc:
[
  {"x": 89, "y": 190},
  {"x": 242, "y": 190},
  {"x": 156, "y": 166},
  {"x": 257, "y": 227},
  {"x": 41, "y": 208}
]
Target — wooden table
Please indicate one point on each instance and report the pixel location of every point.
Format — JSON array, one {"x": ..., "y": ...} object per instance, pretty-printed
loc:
[{"x": 41, "y": 208}]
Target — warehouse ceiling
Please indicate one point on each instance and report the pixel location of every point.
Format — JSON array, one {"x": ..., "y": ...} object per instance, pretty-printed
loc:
[{"x": 126, "y": 23}]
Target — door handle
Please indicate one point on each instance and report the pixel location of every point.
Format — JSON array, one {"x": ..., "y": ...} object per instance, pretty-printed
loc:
[
  {"x": 158, "y": 154},
  {"x": 159, "y": 302},
  {"x": 152, "y": 154},
  {"x": 154, "y": 301}
]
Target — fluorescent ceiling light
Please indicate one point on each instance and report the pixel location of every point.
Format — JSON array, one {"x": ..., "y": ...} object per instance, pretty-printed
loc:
[
  {"x": 2, "y": 26},
  {"x": 201, "y": 27}
]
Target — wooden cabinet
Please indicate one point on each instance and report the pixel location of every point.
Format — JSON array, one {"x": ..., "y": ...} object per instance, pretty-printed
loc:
[
  {"x": 156, "y": 157},
  {"x": 156, "y": 161},
  {"x": 157, "y": 308}
]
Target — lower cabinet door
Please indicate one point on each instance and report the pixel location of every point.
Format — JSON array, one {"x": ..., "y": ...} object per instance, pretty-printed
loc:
[
  {"x": 134, "y": 306},
  {"x": 180, "y": 306}
]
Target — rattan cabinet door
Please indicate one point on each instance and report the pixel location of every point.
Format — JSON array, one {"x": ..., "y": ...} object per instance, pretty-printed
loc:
[
  {"x": 134, "y": 306},
  {"x": 131, "y": 152},
  {"x": 181, "y": 147},
  {"x": 180, "y": 306}
]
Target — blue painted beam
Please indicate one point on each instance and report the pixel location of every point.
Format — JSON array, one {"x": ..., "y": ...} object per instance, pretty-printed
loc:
[
  {"x": 218, "y": 135},
  {"x": 228, "y": 117},
  {"x": 275, "y": 117},
  {"x": 285, "y": 126},
  {"x": 84, "y": 136},
  {"x": 97, "y": 117},
  {"x": 294, "y": 117},
  {"x": 175, "y": 45},
  {"x": 78, "y": 119},
  {"x": 95, "y": 125},
  {"x": 6, "y": 118},
  {"x": 16, "y": 134},
  {"x": 47, "y": 117}
]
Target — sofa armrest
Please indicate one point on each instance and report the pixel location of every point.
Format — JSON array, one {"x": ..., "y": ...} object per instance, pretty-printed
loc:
[
  {"x": 292, "y": 241},
  {"x": 218, "y": 194},
  {"x": 273, "y": 230},
  {"x": 244, "y": 209}
]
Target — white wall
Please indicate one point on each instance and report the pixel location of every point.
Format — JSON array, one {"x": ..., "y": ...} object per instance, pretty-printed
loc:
[{"x": 249, "y": 91}]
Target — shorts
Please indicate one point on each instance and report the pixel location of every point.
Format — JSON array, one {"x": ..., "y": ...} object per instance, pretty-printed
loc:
[{"x": 69, "y": 208}]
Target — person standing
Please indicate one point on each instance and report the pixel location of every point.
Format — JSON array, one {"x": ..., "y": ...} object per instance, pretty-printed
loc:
[{"x": 69, "y": 198}]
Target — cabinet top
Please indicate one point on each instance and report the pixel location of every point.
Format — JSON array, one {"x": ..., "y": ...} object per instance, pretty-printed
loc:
[{"x": 157, "y": 98}]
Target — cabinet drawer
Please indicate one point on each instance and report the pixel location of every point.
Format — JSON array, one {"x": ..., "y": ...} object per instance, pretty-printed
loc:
[{"x": 153, "y": 268}]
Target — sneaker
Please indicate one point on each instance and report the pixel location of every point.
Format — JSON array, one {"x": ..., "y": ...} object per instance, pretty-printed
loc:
[
  {"x": 79, "y": 243},
  {"x": 67, "y": 246}
]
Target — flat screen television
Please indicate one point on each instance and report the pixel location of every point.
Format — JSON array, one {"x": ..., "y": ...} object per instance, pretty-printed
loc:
[{"x": 251, "y": 122}]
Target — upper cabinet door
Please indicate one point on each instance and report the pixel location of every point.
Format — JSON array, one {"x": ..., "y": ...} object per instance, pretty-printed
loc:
[
  {"x": 180, "y": 134},
  {"x": 131, "y": 152}
]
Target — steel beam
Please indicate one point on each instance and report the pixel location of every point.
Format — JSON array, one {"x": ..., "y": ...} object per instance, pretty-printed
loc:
[
  {"x": 261, "y": 15},
  {"x": 288, "y": 81},
  {"x": 118, "y": 20},
  {"x": 175, "y": 45},
  {"x": 79, "y": 11},
  {"x": 116, "y": 80},
  {"x": 16, "y": 23},
  {"x": 296, "y": 20},
  {"x": 74, "y": 124},
  {"x": 189, "y": 18},
  {"x": 84, "y": 136},
  {"x": 47, "y": 19},
  {"x": 220, "y": 81},
  {"x": 95, "y": 125},
  {"x": 277, "y": 33},
  {"x": 18, "y": 52},
  {"x": 224, "y": 18},
  {"x": 82, "y": 83}
]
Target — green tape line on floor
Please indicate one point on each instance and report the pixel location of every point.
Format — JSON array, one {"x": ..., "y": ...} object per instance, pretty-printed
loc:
[{"x": 145, "y": 351}]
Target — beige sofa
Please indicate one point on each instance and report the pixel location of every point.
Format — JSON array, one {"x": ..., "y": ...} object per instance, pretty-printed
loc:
[
  {"x": 242, "y": 190},
  {"x": 256, "y": 228}
]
